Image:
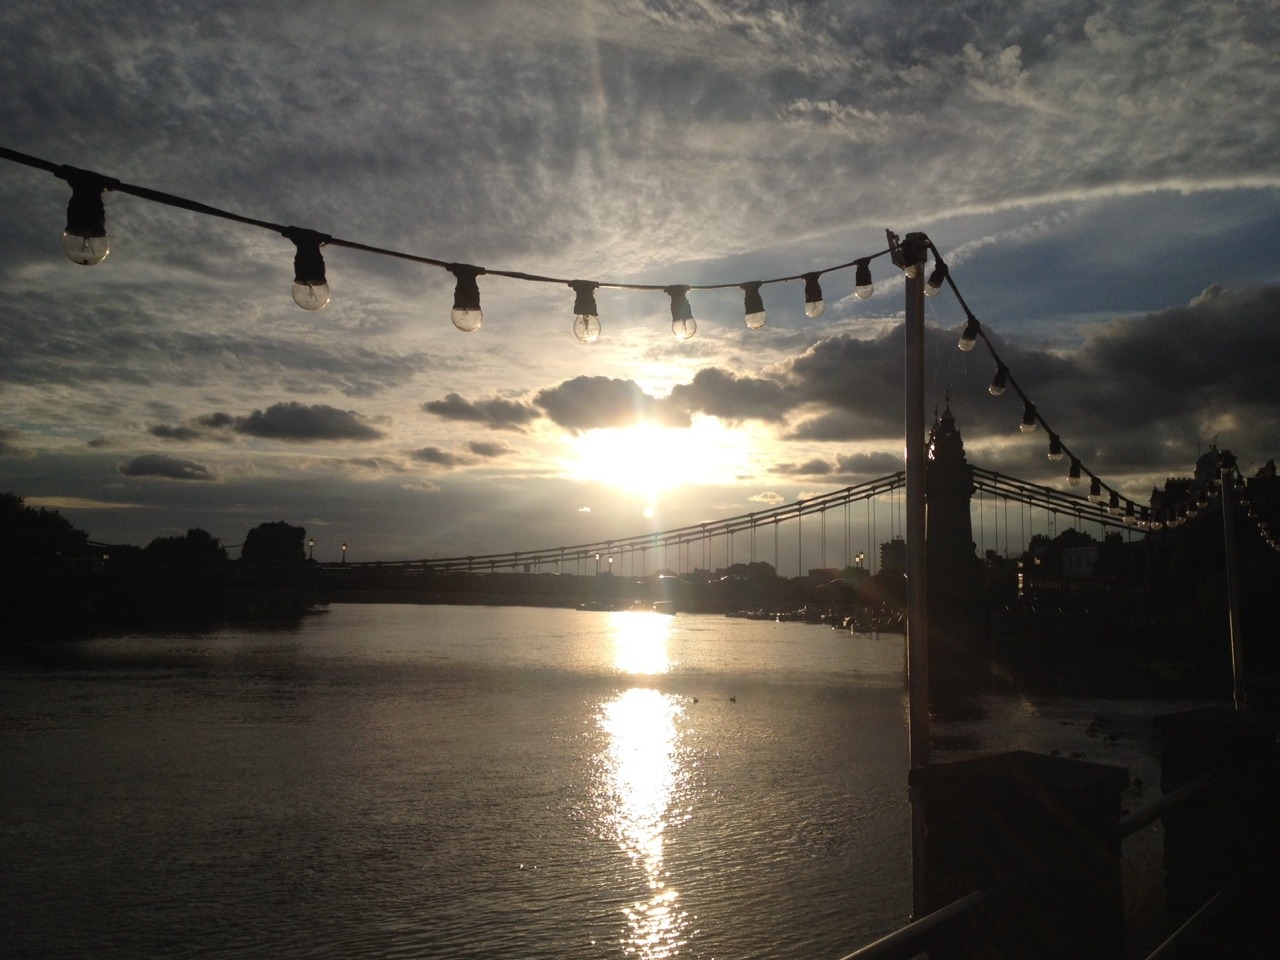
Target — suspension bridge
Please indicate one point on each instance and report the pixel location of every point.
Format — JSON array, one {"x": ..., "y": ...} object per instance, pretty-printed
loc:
[{"x": 845, "y": 526}]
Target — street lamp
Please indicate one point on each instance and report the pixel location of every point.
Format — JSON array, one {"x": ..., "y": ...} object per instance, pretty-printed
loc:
[
  {"x": 311, "y": 548},
  {"x": 597, "y": 564},
  {"x": 344, "y": 552}
]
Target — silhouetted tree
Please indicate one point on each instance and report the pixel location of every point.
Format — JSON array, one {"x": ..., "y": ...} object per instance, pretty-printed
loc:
[
  {"x": 274, "y": 543},
  {"x": 27, "y": 533},
  {"x": 198, "y": 546}
]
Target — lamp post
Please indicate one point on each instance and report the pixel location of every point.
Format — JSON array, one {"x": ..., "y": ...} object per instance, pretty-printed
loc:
[
  {"x": 311, "y": 548},
  {"x": 1226, "y": 467},
  {"x": 344, "y": 551},
  {"x": 910, "y": 255}
]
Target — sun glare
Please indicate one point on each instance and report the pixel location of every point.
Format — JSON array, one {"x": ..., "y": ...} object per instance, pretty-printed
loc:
[{"x": 647, "y": 459}]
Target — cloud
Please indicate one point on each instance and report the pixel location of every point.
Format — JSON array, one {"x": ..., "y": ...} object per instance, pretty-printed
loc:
[
  {"x": 12, "y": 444},
  {"x": 769, "y": 497},
  {"x": 295, "y": 422},
  {"x": 591, "y": 403},
  {"x": 490, "y": 450},
  {"x": 863, "y": 465},
  {"x": 495, "y": 413},
  {"x": 165, "y": 432},
  {"x": 441, "y": 458},
  {"x": 650, "y": 143},
  {"x": 733, "y": 397},
  {"x": 420, "y": 486},
  {"x": 816, "y": 467},
  {"x": 164, "y": 467}
]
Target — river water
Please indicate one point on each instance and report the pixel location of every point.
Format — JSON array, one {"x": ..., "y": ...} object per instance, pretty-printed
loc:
[{"x": 432, "y": 781}]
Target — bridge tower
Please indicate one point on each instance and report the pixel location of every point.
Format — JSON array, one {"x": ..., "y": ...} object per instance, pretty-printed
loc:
[{"x": 959, "y": 656}]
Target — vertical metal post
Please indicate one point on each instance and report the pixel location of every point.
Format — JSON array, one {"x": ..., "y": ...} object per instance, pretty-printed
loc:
[
  {"x": 1226, "y": 464},
  {"x": 912, "y": 254}
]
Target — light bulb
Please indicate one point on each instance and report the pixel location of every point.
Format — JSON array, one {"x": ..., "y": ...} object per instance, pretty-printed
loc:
[
  {"x": 310, "y": 296},
  {"x": 912, "y": 270},
  {"x": 1055, "y": 449},
  {"x": 1095, "y": 490},
  {"x": 999, "y": 381},
  {"x": 753, "y": 306},
  {"x": 468, "y": 321},
  {"x": 310, "y": 288},
  {"x": 683, "y": 326},
  {"x": 814, "y": 305},
  {"x": 1130, "y": 517},
  {"x": 1113, "y": 505},
  {"x": 970, "y": 335},
  {"x": 863, "y": 287},
  {"x": 586, "y": 327},
  {"x": 1028, "y": 424},
  {"x": 85, "y": 251},
  {"x": 1073, "y": 473},
  {"x": 586, "y": 319},
  {"x": 936, "y": 279},
  {"x": 466, "y": 313},
  {"x": 684, "y": 329},
  {"x": 85, "y": 239}
]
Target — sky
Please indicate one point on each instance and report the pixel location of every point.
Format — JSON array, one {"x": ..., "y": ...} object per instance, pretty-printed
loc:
[{"x": 1101, "y": 178}]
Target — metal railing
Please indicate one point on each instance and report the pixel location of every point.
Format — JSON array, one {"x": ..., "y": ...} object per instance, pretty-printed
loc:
[{"x": 915, "y": 938}]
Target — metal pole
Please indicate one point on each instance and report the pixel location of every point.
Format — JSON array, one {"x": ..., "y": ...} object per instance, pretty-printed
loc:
[
  {"x": 1226, "y": 464},
  {"x": 913, "y": 252}
]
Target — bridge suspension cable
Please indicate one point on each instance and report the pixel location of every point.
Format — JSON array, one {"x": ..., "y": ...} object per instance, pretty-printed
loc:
[{"x": 678, "y": 537}]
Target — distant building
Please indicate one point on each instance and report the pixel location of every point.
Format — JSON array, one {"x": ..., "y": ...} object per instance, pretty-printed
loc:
[{"x": 893, "y": 556}]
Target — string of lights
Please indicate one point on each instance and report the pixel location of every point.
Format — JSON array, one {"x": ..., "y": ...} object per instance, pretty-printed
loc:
[
  {"x": 85, "y": 241},
  {"x": 1144, "y": 518}
]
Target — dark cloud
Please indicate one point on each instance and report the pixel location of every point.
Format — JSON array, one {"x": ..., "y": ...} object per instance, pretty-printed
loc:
[
  {"x": 165, "y": 432},
  {"x": 729, "y": 396},
  {"x": 165, "y": 467},
  {"x": 495, "y": 413},
  {"x": 216, "y": 420},
  {"x": 11, "y": 444},
  {"x": 868, "y": 465},
  {"x": 591, "y": 403},
  {"x": 441, "y": 458},
  {"x": 816, "y": 467},
  {"x": 489, "y": 450},
  {"x": 294, "y": 422}
]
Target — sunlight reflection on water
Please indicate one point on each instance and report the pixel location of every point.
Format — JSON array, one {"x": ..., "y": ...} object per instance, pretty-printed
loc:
[
  {"x": 642, "y": 776},
  {"x": 640, "y": 641}
]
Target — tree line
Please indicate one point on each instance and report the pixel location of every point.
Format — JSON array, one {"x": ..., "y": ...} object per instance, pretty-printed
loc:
[{"x": 31, "y": 534}]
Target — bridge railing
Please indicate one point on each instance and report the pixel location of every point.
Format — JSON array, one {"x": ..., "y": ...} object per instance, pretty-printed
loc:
[{"x": 1220, "y": 846}]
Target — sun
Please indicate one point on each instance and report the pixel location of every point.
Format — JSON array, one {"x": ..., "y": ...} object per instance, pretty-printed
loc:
[{"x": 647, "y": 459}]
